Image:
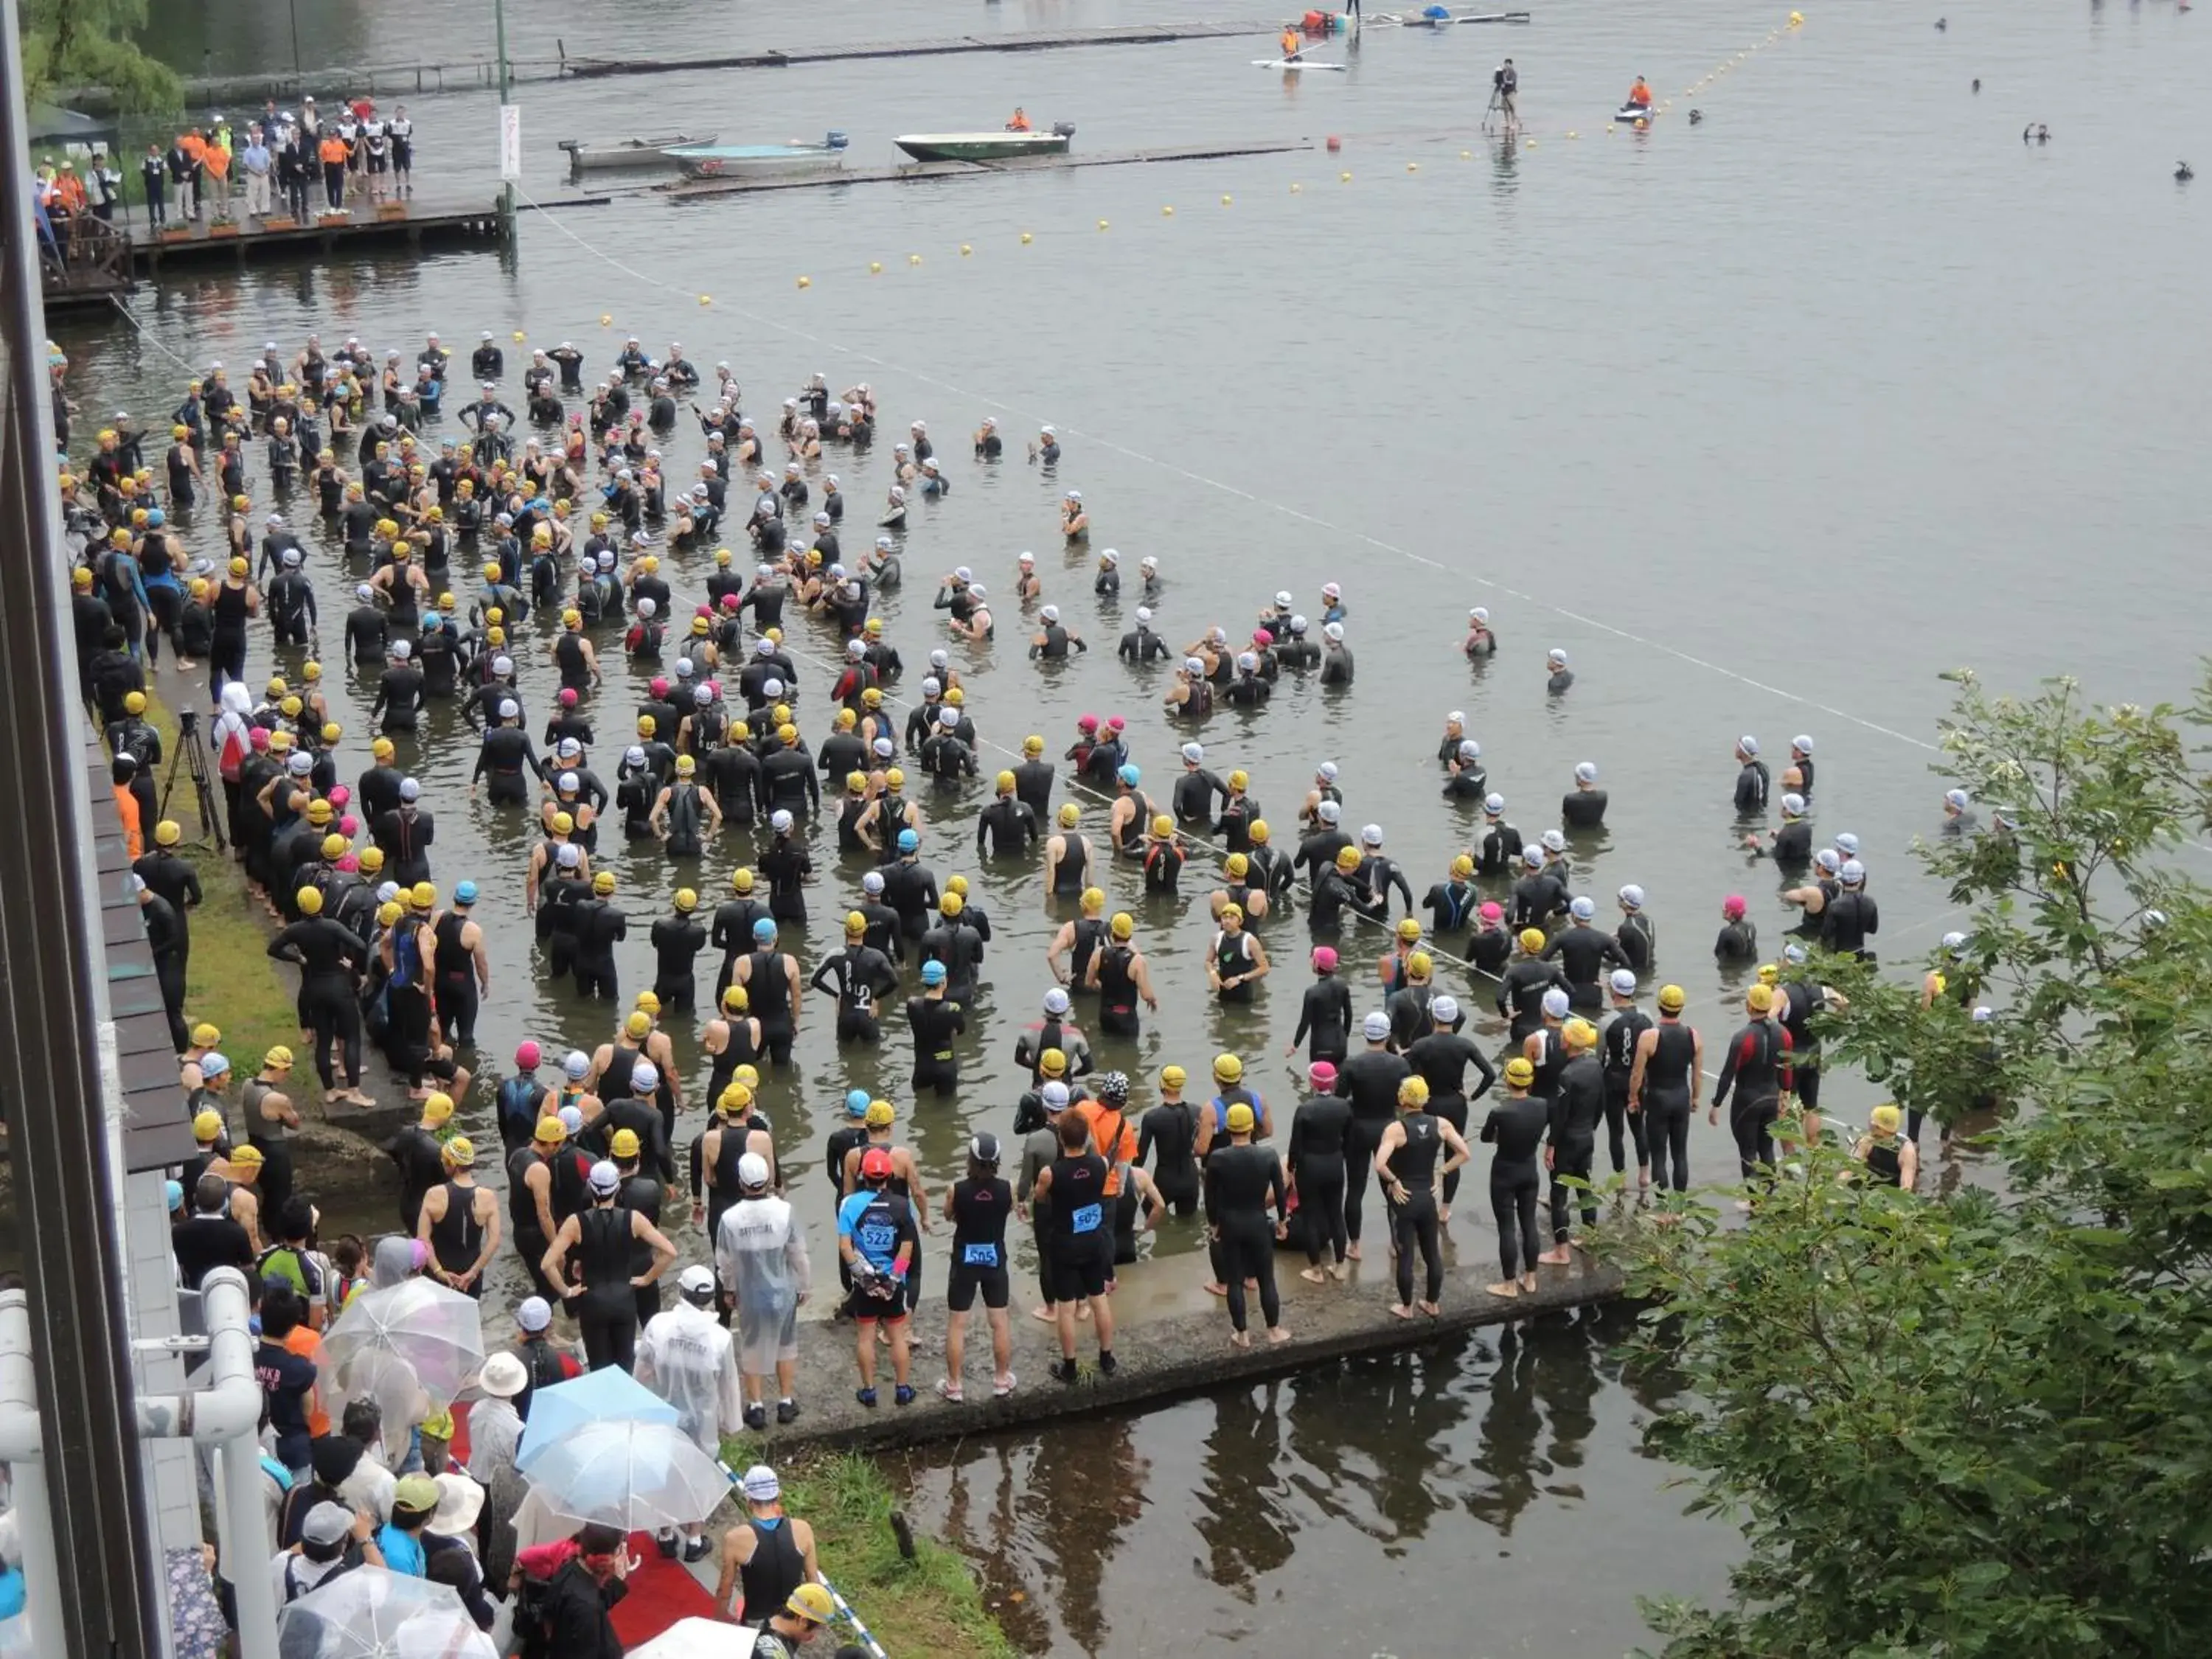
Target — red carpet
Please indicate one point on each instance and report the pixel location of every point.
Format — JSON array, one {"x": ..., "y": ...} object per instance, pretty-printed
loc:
[{"x": 661, "y": 1591}]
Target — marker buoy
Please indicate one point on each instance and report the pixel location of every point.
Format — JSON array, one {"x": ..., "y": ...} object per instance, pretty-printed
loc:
[
  {"x": 1167, "y": 213},
  {"x": 914, "y": 259},
  {"x": 519, "y": 336},
  {"x": 875, "y": 267},
  {"x": 1344, "y": 178},
  {"x": 806, "y": 281},
  {"x": 1025, "y": 239},
  {"x": 1101, "y": 224},
  {"x": 1226, "y": 200},
  {"x": 1413, "y": 167},
  {"x": 606, "y": 320},
  {"x": 965, "y": 250},
  {"x": 706, "y": 298},
  {"x": 1295, "y": 188}
]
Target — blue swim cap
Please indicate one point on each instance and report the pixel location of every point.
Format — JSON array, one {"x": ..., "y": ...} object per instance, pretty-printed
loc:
[
  {"x": 155, "y": 516},
  {"x": 465, "y": 893},
  {"x": 907, "y": 841},
  {"x": 173, "y": 1193},
  {"x": 856, "y": 1103},
  {"x": 1129, "y": 774},
  {"x": 764, "y": 928},
  {"x": 933, "y": 973}
]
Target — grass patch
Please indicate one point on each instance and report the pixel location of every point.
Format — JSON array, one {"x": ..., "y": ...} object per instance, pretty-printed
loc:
[
  {"x": 231, "y": 979},
  {"x": 930, "y": 1605}
]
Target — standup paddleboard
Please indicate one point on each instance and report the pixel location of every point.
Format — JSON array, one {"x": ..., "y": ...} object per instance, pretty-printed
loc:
[
  {"x": 1631, "y": 113},
  {"x": 1291, "y": 67}
]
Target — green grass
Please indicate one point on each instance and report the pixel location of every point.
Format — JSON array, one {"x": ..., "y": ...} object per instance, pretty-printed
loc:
[
  {"x": 931, "y": 1605},
  {"x": 231, "y": 979}
]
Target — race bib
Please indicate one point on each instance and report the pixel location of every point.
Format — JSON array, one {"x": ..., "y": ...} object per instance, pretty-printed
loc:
[
  {"x": 1086, "y": 1219},
  {"x": 979, "y": 1255},
  {"x": 878, "y": 1241}
]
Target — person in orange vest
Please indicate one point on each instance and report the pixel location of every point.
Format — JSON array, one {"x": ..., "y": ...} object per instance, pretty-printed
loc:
[
  {"x": 1639, "y": 95},
  {"x": 69, "y": 189},
  {"x": 125, "y": 772},
  {"x": 1020, "y": 123},
  {"x": 1292, "y": 43},
  {"x": 333, "y": 152},
  {"x": 216, "y": 158}
]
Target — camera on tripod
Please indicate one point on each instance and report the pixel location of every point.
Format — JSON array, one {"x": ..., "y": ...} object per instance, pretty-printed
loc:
[
  {"x": 188, "y": 723},
  {"x": 191, "y": 752}
]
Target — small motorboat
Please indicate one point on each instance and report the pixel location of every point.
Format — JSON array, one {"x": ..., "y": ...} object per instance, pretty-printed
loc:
[
  {"x": 586, "y": 156},
  {"x": 759, "y": 161},
  {"x": 986, "y": 146},
  {"x": 1634, "y": 113}
]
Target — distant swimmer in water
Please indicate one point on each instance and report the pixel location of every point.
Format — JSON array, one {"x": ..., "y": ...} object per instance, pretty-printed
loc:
[
  {"x": 1639, "y": 95},
  {"x": 1942, "y": 23},
  {"x": 1555, "y": 661},
  {"x": 2183, "y": 172},
  {"x": 2042, "y": 134},
  {"x": 1977, "y": 83},
  {"x": 1481, "y": 641},
  {"x": 1290, "y": 44},
  {"x": 1696, "y": 116}
]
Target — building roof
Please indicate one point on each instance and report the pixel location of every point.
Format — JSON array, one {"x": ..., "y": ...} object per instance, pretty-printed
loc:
[{"x": 156, "y": 1132}]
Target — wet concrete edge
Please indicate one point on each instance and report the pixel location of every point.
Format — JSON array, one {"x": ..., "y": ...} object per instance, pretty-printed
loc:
[{"x": 1162, "y": 1358}]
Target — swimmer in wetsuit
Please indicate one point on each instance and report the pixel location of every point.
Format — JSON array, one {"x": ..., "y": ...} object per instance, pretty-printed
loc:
[{"x": 1406, "y": 1163}]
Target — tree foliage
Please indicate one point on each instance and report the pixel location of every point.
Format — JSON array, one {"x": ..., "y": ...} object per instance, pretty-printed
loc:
[
  {"x": 75, "y": 43},
  {"x": 1981, "y": 1425}
]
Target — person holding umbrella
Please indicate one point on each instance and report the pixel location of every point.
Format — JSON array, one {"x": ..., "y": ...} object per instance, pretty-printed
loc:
[
  {"x": 605, "y": 1287},
  {"x": 687, "y": 1357}
]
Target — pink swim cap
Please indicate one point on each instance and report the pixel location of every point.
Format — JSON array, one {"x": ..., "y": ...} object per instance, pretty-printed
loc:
[
  {"x": 567, "y": 697},
  {"x": 1322, "y": 1073},
  {"x": 339, "y": 797},
  {"x": 1088, "y": 723},
  {"x": 1116, "y": 723},
  {"x": 1324, "y": 958},
  {"x": 527, "y": 1056},
  {"x": 1260, "y": 636},
  {"x": 1493, "y": 911},
  {"x": 1732, "y": 907},
  {"x": 348, "y": 826},
  {"x": 260, "y": 738},
  {"x": 349, "y": 864},
  {"x": 659, "y": 685}
]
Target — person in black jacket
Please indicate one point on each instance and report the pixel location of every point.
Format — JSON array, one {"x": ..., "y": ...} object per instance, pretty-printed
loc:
[{"x": 570, "y": 1618}]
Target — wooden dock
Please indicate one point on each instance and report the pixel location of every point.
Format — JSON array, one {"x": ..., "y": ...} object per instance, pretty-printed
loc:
[
  {"x": 911, "y": 171},
  {"x": 415, "y": 223}
]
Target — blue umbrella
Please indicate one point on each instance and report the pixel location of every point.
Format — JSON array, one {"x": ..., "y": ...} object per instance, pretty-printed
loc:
[
  {"x": 639, "y": 1477},
  {"x": 612, "y": 1395}
]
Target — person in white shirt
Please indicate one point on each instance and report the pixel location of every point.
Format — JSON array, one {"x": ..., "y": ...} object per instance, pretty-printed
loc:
[
  {"x": 760, "y": 1255},
  {"x": 332, "y": 1540},
  {"x": 685, "y": 1356}
]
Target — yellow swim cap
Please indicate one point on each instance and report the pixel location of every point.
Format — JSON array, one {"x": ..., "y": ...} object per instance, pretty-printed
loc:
[
  {"x": 1409, "y": 930},
  {"x": 1759, "y": 1000},
  {"x": 1122, "y": 926},
  {"x": 1348, "y": 858},
  {"x": 686, "y": 900},
  {"x": 1580, "y": 1033},
  {"x": 1227, "y": 1068},
  {"x": 1052, "y": 1062},
  {"x": 550, "y": 1131},
  {"x": 1413, "y": 1092},
  {"x": 309, "y": 900},
  {"x": 1886, "y": 1118},
  {"x": 1256, "y": 832},
  {"x": 1070, "y": 815},
  {"x": 1519, "y": 1073},
  {"x": 638, "y": 1024},
  {"x": 206, "y": 1126},
  {"x": 1671, "y": 999},
  {"x": 624, "y": 1146},
  {"x": 1173, "y": 1077},
  {"x": 1237, "y": 865},
  {"x": 1532, "y": 939},
  {"x": 1241, "y": 1119}
]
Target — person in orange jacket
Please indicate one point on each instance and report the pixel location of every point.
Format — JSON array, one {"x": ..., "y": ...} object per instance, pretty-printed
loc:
[
  {"x": 333, "y": 152},
  {"x": 214, "y": 156},
  {"x": 1639, "y": 95}
]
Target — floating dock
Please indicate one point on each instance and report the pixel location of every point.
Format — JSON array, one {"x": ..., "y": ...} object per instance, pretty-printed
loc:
[
  {"x": 417, "y": 221},
  {"x": 911, "y": 171}
]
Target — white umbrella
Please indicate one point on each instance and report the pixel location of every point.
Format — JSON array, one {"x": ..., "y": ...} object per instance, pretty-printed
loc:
[
  {"x": 414, "y": 1337},
  {"x": 372, "y": 1613},
  {"x": 699, "y": 1638},
  {"x": 639, "y": 1477}
]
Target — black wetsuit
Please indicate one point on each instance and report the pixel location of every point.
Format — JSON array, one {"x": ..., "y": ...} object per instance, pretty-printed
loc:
[
  {"x": 1167, "y": 1133},
  {"x": 1241, "y": 1184},
  {"x": 1441, "y": 1060},
  {"x": 1516, "y": 1128},
  {"x": 1414, "y": 1206},
  {"x": 1325, "y": 1017},
  {"x": 1321, "y": 1142},
  {"x": 1370, "y": 1080},
  {"x": 1758, "y": 1058},
  {"x": 1617, "y": 1053},
  {"x": 1578, "y": 1104},
  {"x": 607, "y": 1310}
]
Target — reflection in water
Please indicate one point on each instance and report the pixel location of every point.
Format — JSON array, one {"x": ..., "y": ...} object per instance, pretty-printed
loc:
[{"x": 1481, "y": 1462}]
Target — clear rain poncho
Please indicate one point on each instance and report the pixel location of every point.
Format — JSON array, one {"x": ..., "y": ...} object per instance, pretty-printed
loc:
[
  {"x": 760, "y": 1256},
  {"x": 684, "y": 1356}
]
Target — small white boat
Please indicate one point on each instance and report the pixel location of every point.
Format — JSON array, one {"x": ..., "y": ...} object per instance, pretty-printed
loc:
[
  {"x": 986, "y": 147},
  {"x": 587, "y": 156},
  {"x": 1293, "y": 66},
  {"x": 1634, "y": 113},
  {"x": 759, "y": 161}
]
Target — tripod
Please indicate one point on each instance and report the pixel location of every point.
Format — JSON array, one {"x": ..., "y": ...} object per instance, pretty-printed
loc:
[{"x": 192, "y": 754}]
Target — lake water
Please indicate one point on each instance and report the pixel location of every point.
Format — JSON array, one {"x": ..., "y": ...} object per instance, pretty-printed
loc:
[{"x": 1766, "y": 420}]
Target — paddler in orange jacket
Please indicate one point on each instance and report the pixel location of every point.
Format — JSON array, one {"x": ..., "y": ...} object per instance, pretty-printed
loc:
[
  {"x": 1291, "y": 44},
  {"x": 1020, "y": 123},
  {"x": 1639, "y": 95}
]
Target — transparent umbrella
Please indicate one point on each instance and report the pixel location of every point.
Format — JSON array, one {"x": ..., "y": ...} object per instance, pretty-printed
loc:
[
  {"x": 640, "y": 1477},
  {"x": 612, "y": 1395},
  {"x": 371, "y": 1613},
  {"x": 400, "y": 1343}
]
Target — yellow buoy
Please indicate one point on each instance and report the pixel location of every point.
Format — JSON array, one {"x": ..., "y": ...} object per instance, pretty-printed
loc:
[
  {"x": 1532, "y": 143},
  {"x": 875, "y": 267},
  {"x": 1797, "y": 19},
  {"x": 1467, "y": 155},
  {"x": 606, "y": 320},
  {"x": 965, "y": 250},
  {"x": 1167, "y": 213},
  {"x": 1101, "y": 224},
  {"x": 1295, "y": 188},
  {"x": 1574, "y": 135},
  {"x": 914, "y": 259},
  {"x": 519, "y": 336},
  {"x": 1226, "y": 200},
  {"x": 706, "y": 298},
  {"x": 1413, "y": 167},
  {"x": 806, "y": 281}
]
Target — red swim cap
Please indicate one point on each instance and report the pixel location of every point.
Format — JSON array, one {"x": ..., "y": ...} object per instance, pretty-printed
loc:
[
  {"x": 1322, "y": 1073},
  {"x": 1088, "y": 723},
  {"x": 1732, "y": 907},
  {"x": 527, "y": 1056},
  {"x": 1114, "y": 723},
  {"x": 876, "y": 1165}
]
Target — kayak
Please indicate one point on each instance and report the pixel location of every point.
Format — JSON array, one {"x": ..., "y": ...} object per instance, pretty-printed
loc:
[
  {"x": 1290, "y": 66},
  {"x": 1634, "y": 113}
]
